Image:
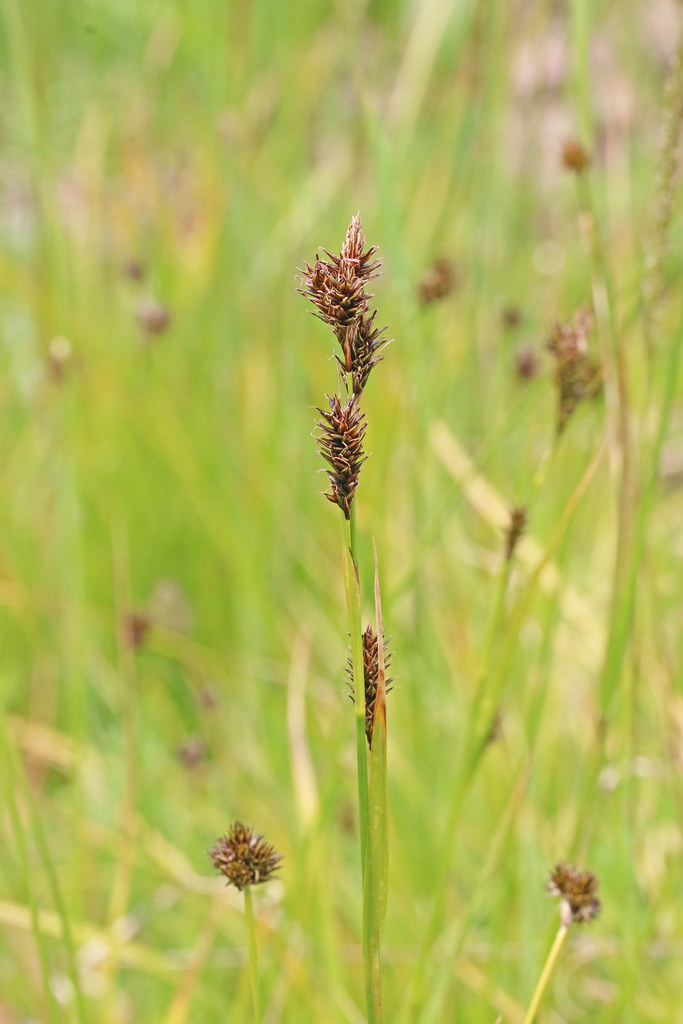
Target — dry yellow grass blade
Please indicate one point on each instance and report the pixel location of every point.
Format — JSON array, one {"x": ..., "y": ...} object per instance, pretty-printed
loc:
[
  {"x": 44, "y": 744},
  {"x": 97, "y": 944}
]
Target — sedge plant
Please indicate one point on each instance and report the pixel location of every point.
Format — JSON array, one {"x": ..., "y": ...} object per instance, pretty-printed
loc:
[{"x": 338, "y": 288}]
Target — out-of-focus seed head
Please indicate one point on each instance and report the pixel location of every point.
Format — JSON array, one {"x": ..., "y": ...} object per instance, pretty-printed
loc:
[
  {"x": 576, "y": 889},
  {"x": 136, "y": 626},
  {"x": 244, "y": 858},
  {"x": 60, "y": 354},
  {"x": 576, "y": 374},
  {"x": 133, "y": 270},
  {"x": 516, "y": 527},
  {"x": 438, "y": 281},
  {"x": 512, "y": 317},
  {"x": 496, "y": 729},
  {"x": 574, "y": 156},
  {"x": 370, "y": 676},
  {"x": 153, "y": 316},
  {"x": 342, "y": 429},
  {"x": 192, "y": 752},
  {"x": 527, "y": 363}
]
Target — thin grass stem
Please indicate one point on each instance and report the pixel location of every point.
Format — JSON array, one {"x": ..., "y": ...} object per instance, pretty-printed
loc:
[
  {"x": 545, "y": 974},
  {"x": 377, "y": 866},
  {"x": 253, "y": 953},
  {"x": 352, "y": 588}
]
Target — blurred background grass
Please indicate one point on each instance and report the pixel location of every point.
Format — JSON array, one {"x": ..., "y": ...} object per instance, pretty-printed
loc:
[{"x": 165, "y": 169}]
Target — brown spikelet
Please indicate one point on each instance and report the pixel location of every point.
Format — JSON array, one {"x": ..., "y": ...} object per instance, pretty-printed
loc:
[
  {"x": 370, "y": 675},
  {"x": 354, "y": 243},
  {"x": 341, "y": 445},
  {"x": 244, "y": 858},
  {"x": 337, "y": 287},
  {"x": 576, "y": 890}
]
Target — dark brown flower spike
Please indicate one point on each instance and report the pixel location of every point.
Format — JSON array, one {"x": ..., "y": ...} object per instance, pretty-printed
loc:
[
  {"x": 337, "y": 288},
  {"x": 370, "y": 675},
  {"x": 576, "y": 373},
  {"x": 341, "y": 445},
  {"x": 244, "y": 858},
  {"x": 576, "y": 890}
]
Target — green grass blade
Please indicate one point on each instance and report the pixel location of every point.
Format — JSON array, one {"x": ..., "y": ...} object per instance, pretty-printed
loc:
[
  {"x": 377, "y": 863},
  {"x": 352, "y": 587}
]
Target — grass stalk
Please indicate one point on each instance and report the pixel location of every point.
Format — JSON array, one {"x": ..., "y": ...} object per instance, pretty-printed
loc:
[
  {"x": 352, "y": 588},
  {"x": 377, "y": 851},
  {"x": 542, "y": 983},
  {"x": 253, "y": 953},
  {"x": 246, "y": 859}
]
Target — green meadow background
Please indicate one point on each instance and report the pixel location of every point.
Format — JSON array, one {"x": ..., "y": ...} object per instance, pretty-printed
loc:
[{"x": 172, "y": 620}]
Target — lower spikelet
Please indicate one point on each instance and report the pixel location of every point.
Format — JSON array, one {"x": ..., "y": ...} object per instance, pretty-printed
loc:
[
  {"x": 370, "y": 675},
  {"x": 341, "y": 445}
]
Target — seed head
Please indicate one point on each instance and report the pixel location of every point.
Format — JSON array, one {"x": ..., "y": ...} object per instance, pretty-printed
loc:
[
  {"x": 337, "y": 287},
  {"x": 438, "y": 281},
  {"x": 576, "y": 890},
  {"x": 574, "y": 156},
  {"x": 516, "y": 528},
  {"x": 244, "y": 858},
  {"x": 370, "y": 676},
  {"x": 576, "y": 373},
  {"x": 341, "y": 445},
  {"x": 153, "y": 316},
  {"x": 136, "y": 626},
  {"x": 527, "y": 363},
  {"x": 512, "y": 317}
]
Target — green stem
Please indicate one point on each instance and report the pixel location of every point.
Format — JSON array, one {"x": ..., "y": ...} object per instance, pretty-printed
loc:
[
  {"x": 545, "y": 975},
  {"x": 253, "y": 953},
  {"x": 375, "y": 881},
  {"x": 352, "y": 587}
]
